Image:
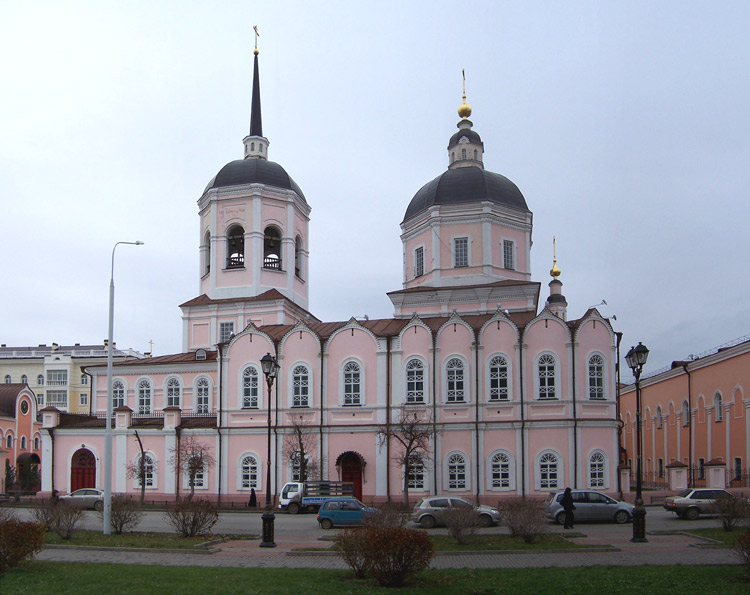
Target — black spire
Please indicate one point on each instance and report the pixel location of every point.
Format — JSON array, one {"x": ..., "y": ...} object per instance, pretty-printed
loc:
[{"x": 256, "y": 124}]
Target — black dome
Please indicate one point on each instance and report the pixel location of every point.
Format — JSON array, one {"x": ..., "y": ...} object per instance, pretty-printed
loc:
[
  {"x": 466, "y": 185},
  {"x": 253, "y": 171},
  {"x": 468, "y": 133}
]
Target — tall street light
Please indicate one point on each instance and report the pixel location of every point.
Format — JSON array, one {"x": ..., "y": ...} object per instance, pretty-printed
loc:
[
  {"x": 636, "y": 359},
  {"x": 270, "y": 369},
  {"x": 107, "y": 513}
]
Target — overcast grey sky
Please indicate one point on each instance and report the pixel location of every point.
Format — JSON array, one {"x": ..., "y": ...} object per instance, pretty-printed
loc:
[{"x": 624, "y": 124}]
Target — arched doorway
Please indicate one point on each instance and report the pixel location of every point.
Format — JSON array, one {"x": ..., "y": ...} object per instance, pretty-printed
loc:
[
  {"x": 28, "y": 472},
  {"x": 82, "y": 470},
  {"x": 351, "y": 466}
]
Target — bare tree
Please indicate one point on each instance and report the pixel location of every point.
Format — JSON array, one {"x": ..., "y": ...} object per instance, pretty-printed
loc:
[
  {"x": 299, "y": 445},
  {"x": 141, "y": 468},
  {"x": 194, "y": 457},
  {"x": 411, "y": 434}
]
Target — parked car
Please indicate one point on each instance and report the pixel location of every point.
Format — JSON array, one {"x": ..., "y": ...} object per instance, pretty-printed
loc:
[
  {"x": 691, "y": 503},
  {"x": 85, "y": 498},
  {"x": 590, "y": 506},
  {"x": 343, "y": 510},
  {"x": 4, "y": 498},
  {"x": 429, "y": 511}
]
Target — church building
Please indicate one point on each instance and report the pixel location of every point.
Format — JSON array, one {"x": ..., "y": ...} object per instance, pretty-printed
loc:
[{"x": 517, "y": 398}]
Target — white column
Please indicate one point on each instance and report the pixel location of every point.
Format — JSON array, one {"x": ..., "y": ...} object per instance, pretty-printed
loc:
[
  {"x": 47, "y": 457},
  {"x": 121, "y": 461}
]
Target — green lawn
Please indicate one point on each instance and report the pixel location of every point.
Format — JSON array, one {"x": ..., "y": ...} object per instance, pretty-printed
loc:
[
  {"x": 76, "y": 578},
  {"x": 136, "y": 539},
  {"x": 718, "y": 533},
  {"x": 546, "y": 541}
]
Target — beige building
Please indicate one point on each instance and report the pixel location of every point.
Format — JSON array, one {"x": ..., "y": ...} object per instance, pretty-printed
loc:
[{"x": 55, "y": 372}]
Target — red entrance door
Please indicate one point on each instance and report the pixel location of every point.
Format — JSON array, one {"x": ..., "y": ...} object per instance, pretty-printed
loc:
[
  {"x": 351, "y": 470},
  {"x": 82, "y": 470}
]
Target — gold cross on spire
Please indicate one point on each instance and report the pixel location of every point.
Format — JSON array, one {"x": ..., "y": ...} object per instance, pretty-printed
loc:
[{"x": 255, "y": 28}]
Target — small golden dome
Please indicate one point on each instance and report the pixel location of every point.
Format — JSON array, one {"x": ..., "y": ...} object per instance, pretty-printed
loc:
[
  {"x": 464, "y": 110},
  {"x": 554, "y": 271}
]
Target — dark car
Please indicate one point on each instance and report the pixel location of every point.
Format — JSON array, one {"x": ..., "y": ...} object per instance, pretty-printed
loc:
[
  {"x": 344, "y": 510},
  {"x": 691, "y": 503},
  {"x": 85, "y": 498}
]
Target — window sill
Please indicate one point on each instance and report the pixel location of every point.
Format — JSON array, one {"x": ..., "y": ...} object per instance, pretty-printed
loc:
[
  {"x": 250, "y": 408},
  {"x": 242, "y": 268},
  {"x": 351, "y": 404}
]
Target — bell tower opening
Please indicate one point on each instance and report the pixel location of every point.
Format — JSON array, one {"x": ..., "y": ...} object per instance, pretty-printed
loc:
[
  {"x": 235, "y": 247},
  {"x": 272, "y": 248}
]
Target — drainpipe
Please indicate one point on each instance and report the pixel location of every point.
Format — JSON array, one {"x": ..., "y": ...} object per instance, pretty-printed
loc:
[
  {"x": 322, "y": 413},
  {"x": 575, "y": 415},
  {"x": 617, "y": 414},
  {"x": 91, "y": 392},
  {"x": 388, "y": 395},
  {"x": 691, "y": 475},
  {"x": 51, "y": 432},
  {"x": 434, "y": 412},
  {"x": 276, "y": 426},
  {"x": 476, "y": 412},
  {"x": 220, "y": 355},
  {"x": 523, "y": 416}
]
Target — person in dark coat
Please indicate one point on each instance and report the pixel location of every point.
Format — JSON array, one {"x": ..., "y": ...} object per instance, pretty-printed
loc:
[
  {"x": 253, "y": 503},
  {"x": 568, "y": 507}
]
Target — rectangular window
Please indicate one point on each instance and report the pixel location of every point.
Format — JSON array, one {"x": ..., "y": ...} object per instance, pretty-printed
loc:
[
  {"x": 40, "y": 399},
  {"x": 57, "y": 377},
  {"x": 225, "y": 331},
  {"x": 300, "y": 382},
  {"x": 737, "y": 468},
  {"x": 461, "y": 251},
  {"x": 57, "y": 398},
  {"x": 509, "y": 251},
  {"x": 416, "y": 476},
  {"x": 498, "y": 379},
  {"x": 352, "y": 394},
  {"x": 419, "y": 262},
  {"x": 661, "y": 467},
  {"x": 84, "y": 399},
  {"x": 701, "y": 469},
  {"x": 455, "y": 383}
]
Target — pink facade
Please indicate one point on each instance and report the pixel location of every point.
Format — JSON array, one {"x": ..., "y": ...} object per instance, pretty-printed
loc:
[
  {"x": 20, "y": 437},
  {"x": 517, "y": 398},
  {"x": 697, "y": 413}
]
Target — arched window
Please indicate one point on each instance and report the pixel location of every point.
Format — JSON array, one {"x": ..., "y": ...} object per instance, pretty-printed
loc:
[
  {"x": 596, "y": 377},
  {"x": 173, "y": 392},
  {"x": 718, "y": 408},
  {"x": 300, "y": 386},
  {"x": 453, "y": 156},
  {"x": 207, "y": 253},
  {"x": 298, "y": 256},
  {"x": 352, "y": 384},
  {"x": 454, "y": 370},
  {"x": 250, "y": 388},
  {"x": 463, "y": 153},
  {"x": 118, "y": 394},
  {"x": 685, "y": 413},
  {"x": 7, "y": 379},
  {"x": 149, "y": 471},
  {"x": 658, "y": 417},
  {"x": 9, "y": 441},
  {"x": 272, "y": 248},
  {"x": 144, "y": 397},
  {"x": 40, "y": 380},
  {"x": 249, "y": 476},
  {"x": 548, "y": 471},
  {"x": 36, "y": 443},
  {"x": 295, "y": 467},
  {"x": 236, "y": 247},
  {"x": 23, "y": 442},
  {"x": 414, "y": 381},
  {"x": 202, "y": 389},
  {"x": 546, "y": 376},
  {"x": 25, "y": 379},
  {"x": 476, "y": 155},
  {"x": 84, "y": 379},
  {"x": 456, "y": 467},
  {"x": 499, "y": 379},
  {"x": 501, "y": 471},
  {"x": 597, "y": 470}
]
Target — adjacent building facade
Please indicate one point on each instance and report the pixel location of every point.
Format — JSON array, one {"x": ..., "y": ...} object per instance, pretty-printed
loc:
[
  {"x": 20, "y": 439},
  {"x": 517, "y": 398}
]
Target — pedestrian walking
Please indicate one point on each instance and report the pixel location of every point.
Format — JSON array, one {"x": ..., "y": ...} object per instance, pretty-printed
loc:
[
  {"x": 568, "y": 507},
  {"x": 253, "y": 503}
]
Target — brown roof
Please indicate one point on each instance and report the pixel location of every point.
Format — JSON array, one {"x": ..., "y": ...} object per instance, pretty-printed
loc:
[
  {"x": 71, "y": 420},
  {"x": 503, "y": 283},
  {"x": 198, "y": 422},
  {"x": 163, "y": 360},
  {"x": 8, "y": 396},
  {"x": 266, "y": 296}
]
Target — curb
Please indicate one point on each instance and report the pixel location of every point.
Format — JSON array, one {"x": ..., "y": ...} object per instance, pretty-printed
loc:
[{"x": 139, "y": 550}]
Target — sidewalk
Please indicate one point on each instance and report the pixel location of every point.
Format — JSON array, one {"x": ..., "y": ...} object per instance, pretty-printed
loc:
[{"x": 660, "y": 550}]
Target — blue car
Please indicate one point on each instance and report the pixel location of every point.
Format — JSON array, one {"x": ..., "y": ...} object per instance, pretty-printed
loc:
[{"x": 343, "y": 511}]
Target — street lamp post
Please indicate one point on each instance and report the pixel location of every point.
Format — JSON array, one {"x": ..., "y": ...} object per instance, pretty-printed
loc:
[
  {"x": 636, "y": 359},
  {"x": 107, "y": 511},
  {"x": 270, "y": 369}
]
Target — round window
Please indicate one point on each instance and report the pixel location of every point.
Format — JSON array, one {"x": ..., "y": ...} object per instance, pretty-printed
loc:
[{"x": 24, "y": 407}]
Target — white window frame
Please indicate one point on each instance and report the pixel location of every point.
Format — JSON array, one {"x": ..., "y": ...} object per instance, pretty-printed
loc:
[
  {"x": 555, "y": 377},
  {"x": 36, "y": 442},
  {"x": 241, "y": 473},
  {"x": 418, "y": 261},
  {"x": 144, "y": 405},
  {"x": 59, "y": 399},
  {"x": 23, "y": 442},
  {"x": 300, "y": 377},
  {"x": 460, "y": 264},
  {"x": 450, "y": 476},
  {"x": 546, "y": 484},
  {"x": 226, "y": 329},
  {"x": 169, "y": 392},
  {"x": 345, "y": 395},
  {"x": 40, "y": 400},
  {"x": 293, "y": 466},
  {"x": 596, "y": 379},
  {"x": 509, "y": 254},
  {"x": 495, "y": 465},
  {"x": 56, "y": 378},
  {"x": 417, "y": 476},
  {"x": 152, "y": 482},
  {"x": 597, "y": 470},
  {"x": 118, "y": 393},
  {"x": 412, "y": 394},
  {"x": 253, "y": 401},
  {"x": 449, "y": 381},
  {"x": 199, "y": 407},
  {"x": 83, "y": 399},
  {"x": 40, "y": 380},
  {"x": 718, "y": 408},
  {"x": 201, "y": 478},
  {"x": 490, "y": 378}
]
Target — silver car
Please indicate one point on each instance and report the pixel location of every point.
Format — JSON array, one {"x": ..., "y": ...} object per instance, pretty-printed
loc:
[
  {"x": 691, "y": 503},
  {"x": 429, "y": 511},
  {"x": 85, "y": 498},
  {"x": 590, "y": 506}
]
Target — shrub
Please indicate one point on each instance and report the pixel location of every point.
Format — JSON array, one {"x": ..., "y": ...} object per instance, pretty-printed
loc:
[
  {"x": 192, "y": 517},
  {"x": 58, "y": 516},
  {"x": 390, "y": 515},
  {"x": 126, "y": 513},
  {"x": 742, "y": 551},
  {"x": 524, "y": 518},
  {"x": 732, "y": 511},
  {"x": 397, "y": 552},
  {"x": 18, "y": 541},
  {"x": 354, "y": 550},
  {"x": 7, "y": 514},
  {"x": 462, "y": 522}
]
